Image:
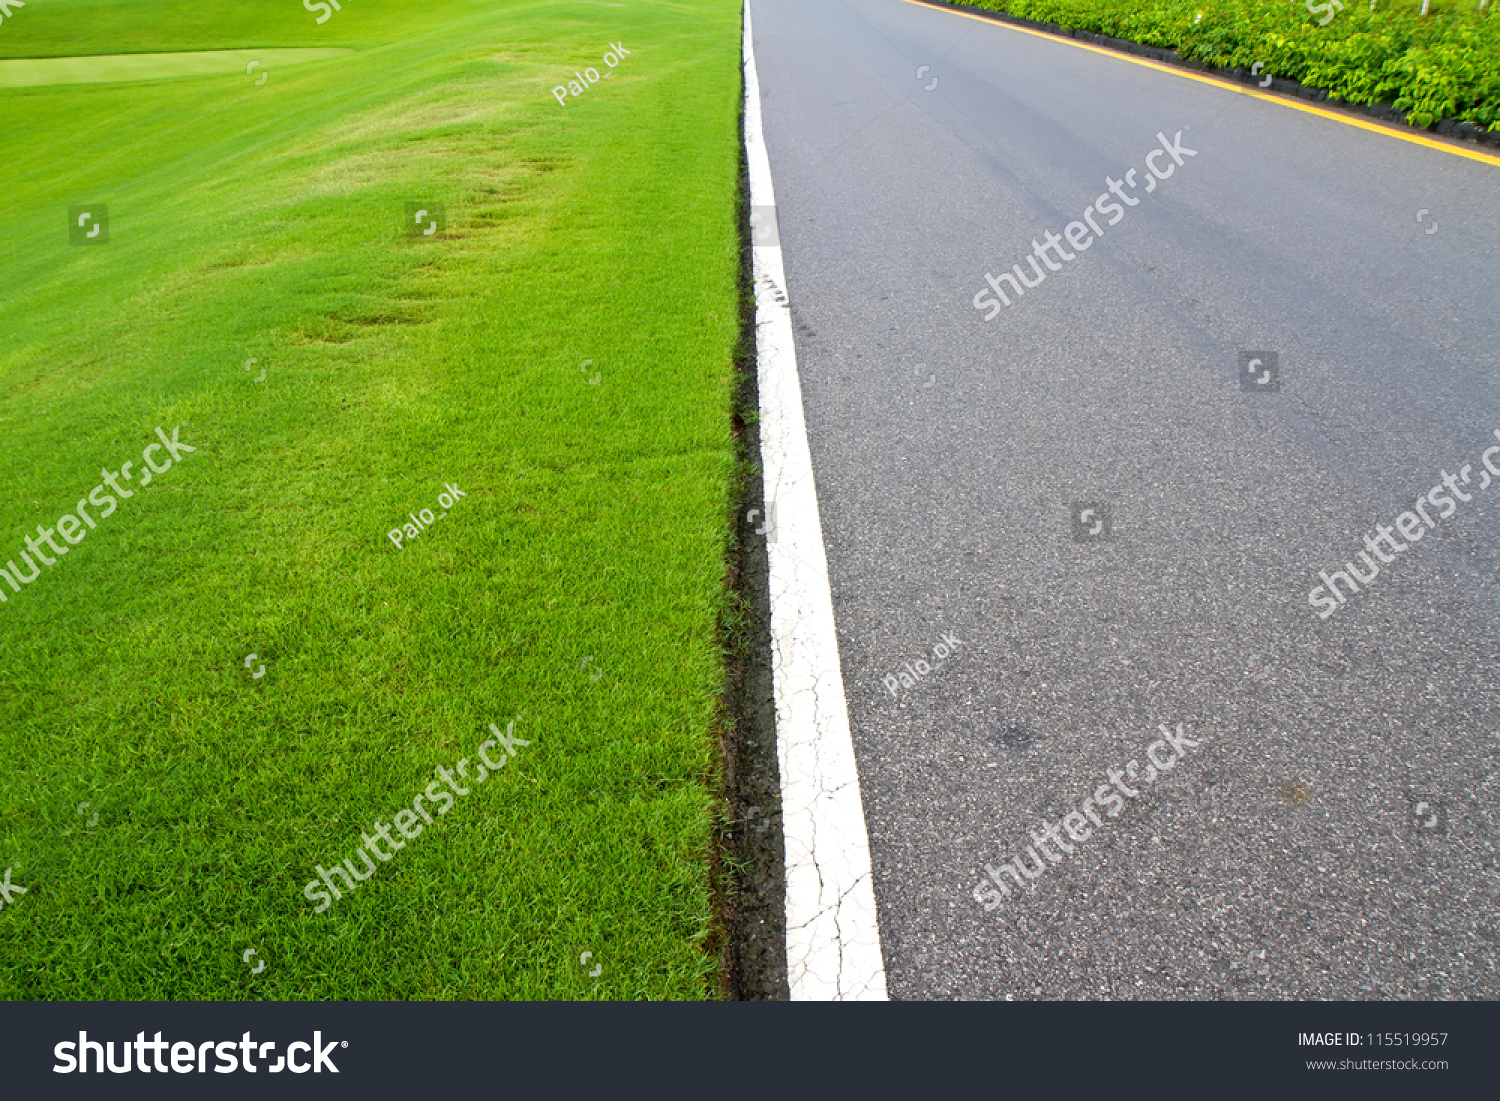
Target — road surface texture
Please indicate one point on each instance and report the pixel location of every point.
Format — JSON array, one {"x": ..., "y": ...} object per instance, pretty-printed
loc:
[{"x": 1104, "y": 511}]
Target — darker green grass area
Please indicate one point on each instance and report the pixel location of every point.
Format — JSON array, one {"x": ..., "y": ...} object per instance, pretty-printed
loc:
[
  {"x": 76, "y": 28},
  {"x": 268, "y": 223}
]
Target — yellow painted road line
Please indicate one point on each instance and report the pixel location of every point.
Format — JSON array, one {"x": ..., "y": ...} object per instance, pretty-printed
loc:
[{"x": 1415, "y": 139}]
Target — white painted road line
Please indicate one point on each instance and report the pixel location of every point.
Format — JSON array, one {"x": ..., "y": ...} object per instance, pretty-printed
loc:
[{"x": 832, "y": 937}]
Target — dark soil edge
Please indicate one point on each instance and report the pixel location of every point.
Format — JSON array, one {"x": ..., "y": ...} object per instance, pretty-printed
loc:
[
  {"x": 1454, "y": 129},
  {"x": 749, "y": 853}
]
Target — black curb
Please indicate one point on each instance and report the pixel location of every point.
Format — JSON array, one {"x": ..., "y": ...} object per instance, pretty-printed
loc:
[
  {"x": 1450, "y": 128},
  {"x": 750, "y": 850}
]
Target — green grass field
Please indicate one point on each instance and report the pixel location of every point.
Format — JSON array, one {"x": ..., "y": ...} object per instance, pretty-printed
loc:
[{"x": 267, "y": 222}]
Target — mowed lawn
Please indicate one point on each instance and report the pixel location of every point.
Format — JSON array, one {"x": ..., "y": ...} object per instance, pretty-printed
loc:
[{"x": 562, "y": 353}]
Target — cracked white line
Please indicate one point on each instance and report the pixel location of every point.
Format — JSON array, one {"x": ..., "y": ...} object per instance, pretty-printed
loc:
[{"x": 833, "y": 939}]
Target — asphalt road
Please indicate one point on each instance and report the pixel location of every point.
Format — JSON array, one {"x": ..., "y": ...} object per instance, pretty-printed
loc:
[{"x": 1332, "y": 834}]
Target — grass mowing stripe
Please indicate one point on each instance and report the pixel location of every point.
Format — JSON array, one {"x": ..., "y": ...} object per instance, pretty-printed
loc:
[
  {"x": 110, "y": 68},
  {"x": 267, "y": 223}
]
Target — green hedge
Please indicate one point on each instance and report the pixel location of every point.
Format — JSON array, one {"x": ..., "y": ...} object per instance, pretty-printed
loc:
[{"x": 1443, "y": 65}]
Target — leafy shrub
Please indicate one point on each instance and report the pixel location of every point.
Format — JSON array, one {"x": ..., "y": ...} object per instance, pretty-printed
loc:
[{"x": 1443, "y": 65}]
